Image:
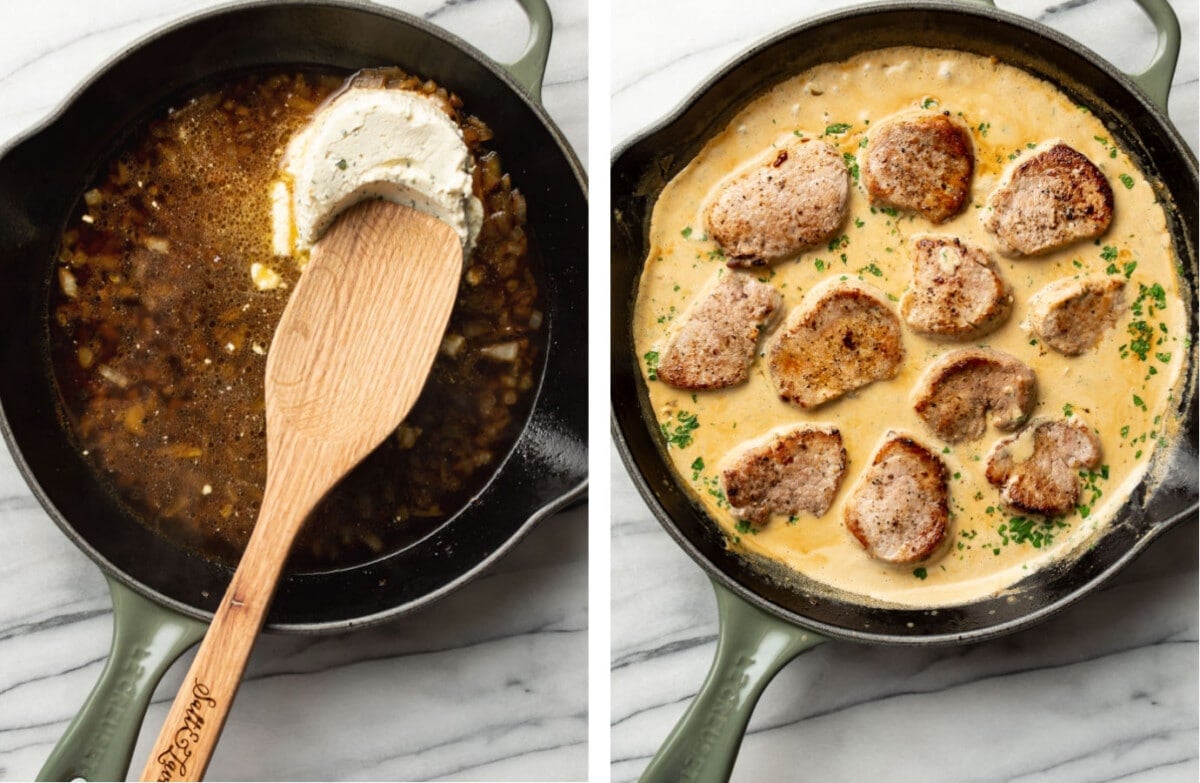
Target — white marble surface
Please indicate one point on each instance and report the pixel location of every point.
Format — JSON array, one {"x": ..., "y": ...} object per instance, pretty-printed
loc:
[
  {"x": 489, "y": 684},
  {"x": 1105, "y": 691}
]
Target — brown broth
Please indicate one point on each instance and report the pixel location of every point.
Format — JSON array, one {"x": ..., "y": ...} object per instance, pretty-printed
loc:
[{"x": 158, "y": 334}]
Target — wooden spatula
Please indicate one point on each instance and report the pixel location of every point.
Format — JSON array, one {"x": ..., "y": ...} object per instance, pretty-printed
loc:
[{"x": 347, "y": 362}]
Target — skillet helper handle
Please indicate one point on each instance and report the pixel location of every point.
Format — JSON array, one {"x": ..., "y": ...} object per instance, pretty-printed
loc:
[
  {"x": 147, "y": 639},
  {"x": 1156, "y": 79},
  {"x": 529, "y": 69},
  {"x": 752, "y": 646}
]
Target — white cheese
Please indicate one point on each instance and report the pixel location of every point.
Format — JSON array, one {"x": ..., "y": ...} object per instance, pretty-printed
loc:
[{"x": 369, "y": 142}]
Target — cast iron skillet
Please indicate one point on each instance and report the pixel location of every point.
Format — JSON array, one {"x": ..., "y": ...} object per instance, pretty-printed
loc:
[
  {"x": 767, "y": 619},
  {"x": 162, "y": 593}
]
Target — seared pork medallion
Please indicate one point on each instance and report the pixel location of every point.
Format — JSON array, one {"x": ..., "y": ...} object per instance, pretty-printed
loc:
[
  {"x": 1037, "y": 469},
  {"x": 963, "y": 389},
  {"x": 787, "y": 472},
  {"x": 956, "y": 291},
  {"x": 792, "y": 199},
  {"x": 925, "y": 352},
  {"x": 921, "y": 164},
  {"x": 1071, "y": 315},
  {"x": 901, "y": 505},
  {"x": 1055, "y": 198},
  {"x": 840, "y": 338},
  {"x": 715, "y": 339}
]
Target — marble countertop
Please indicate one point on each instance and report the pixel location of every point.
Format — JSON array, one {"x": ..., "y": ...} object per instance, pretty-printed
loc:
[
  {"x": 1107, "y": 690},
  {"x": 488, "y": 684}
]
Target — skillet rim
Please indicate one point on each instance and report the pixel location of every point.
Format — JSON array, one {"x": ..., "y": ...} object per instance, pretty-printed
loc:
[
  {"x": 1187, "y": 383},
  {"x": 547, "y": 505}
]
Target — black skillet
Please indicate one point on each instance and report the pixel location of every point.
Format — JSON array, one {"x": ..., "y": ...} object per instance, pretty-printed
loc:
[
  {"x": 769, "y": 618},
  {"x": 163, "y": 593}
]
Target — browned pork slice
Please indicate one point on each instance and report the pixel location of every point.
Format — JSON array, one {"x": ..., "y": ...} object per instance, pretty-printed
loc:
[
  {"x": 840, "y": 338},
  {"x": 1037, "y": 469},
  {"x": 713, "y": 341},
  {"x": 1053, "y": 199},
  {"x": 1071, "y": 315},
  {"x": 956, "y": 291},
  {"x": 958, "y": 390},
  {"x": 793, "y": 199},
  {"x": 899, "y": 509},
  {"x": 788, "y": 471},
  {"x": 921, "y": 164}
]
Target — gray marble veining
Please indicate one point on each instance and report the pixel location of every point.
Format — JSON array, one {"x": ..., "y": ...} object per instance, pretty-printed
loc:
[
  {"x": 488, "y": 684},
  {"x": 1105, "y": 691}
]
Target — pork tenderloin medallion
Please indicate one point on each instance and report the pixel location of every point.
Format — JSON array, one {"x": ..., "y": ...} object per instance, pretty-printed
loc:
[
  {"x": 956, "y": 292},
  {"x": 1072, "y": 315},
  {"x": 793, "y": 199},
  {"x": 788, "y": 471},
  {"x": 1052, "y": 199},
  {"x": 958, "y": 390},
  {"x": 713, "y": 342},
  {"x": 900, "y": 507},
  {"x": 1037, "y": 470},
  {"x": 920, "y": 164},
  {"x": 840, "y": 338}
]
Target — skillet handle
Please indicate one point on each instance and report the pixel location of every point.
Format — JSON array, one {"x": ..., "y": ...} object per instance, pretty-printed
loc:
[
  {"x": 1156, "y": 79},
  {"x": 752, "y": 646},
  {"x": 530, "y": 68},
  {"x": 147, "y": 639}
]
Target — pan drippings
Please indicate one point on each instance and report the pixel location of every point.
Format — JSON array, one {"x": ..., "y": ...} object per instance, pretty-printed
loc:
[{"x": 159, "y": 332}]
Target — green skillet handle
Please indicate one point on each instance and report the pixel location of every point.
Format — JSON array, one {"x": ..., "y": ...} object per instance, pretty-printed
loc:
[
  {"x": 146, "y": 640},
  {"x": 752, "y": 647},
  {"x": 530, "y": 68},
  {"x": 1156, "y": 79}
]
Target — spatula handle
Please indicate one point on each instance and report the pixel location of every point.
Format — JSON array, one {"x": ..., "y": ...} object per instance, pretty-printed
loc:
[
  {"x": 193, "y": 725},
  {"x": 189, "y": 735}
]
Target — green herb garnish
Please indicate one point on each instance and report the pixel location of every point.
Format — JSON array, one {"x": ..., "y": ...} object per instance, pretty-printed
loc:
[{"x": 680, "y": 436}]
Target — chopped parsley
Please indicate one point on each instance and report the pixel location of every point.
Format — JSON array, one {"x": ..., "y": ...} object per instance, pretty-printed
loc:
[
  {"x": 920, "y": 573},
  {"x": 929, "y": 103},
  {"x": 1024, "y": 530},
  {"x": 836, "y": 129},
  {"x": 687, "y": 232},
  {"x": 1109, "y": 253},
  {"x": 984, "y": 127},
  {"x": 1127, "y": 181},
  {"x": 680, "y": 436},
  {"x": 651, "y": 358},
  {"x": 838, "y": 242},
  {"x": 341, "y": 164},
  {"x": 871, "y": 269},
  {"x": 745, "y": 527},
  {"x": 851, "y": 163}
]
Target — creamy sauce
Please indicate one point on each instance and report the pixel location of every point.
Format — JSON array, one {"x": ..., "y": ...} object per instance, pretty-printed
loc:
[{"x": 1124, "y": 398}]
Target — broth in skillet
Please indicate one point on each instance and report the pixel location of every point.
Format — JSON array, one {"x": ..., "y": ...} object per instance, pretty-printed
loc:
[{"x": 166, "y": 297}]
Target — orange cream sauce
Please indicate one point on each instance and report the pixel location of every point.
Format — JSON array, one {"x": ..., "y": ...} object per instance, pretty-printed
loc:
[{"x": 1124, "y": 398}]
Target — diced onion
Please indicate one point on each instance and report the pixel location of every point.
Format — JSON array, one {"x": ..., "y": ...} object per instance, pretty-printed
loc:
[{"x": 501, "y": 352}]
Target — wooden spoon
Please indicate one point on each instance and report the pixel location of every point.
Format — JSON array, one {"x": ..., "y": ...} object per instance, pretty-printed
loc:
[{"x": 347, "y": 362}]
